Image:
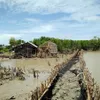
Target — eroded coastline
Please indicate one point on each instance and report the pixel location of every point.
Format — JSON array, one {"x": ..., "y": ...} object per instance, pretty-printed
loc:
[{"x": 70, "y": 80}]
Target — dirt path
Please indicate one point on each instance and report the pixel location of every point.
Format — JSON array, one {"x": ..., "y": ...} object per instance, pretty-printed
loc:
[{"x": 67, "y": 87}]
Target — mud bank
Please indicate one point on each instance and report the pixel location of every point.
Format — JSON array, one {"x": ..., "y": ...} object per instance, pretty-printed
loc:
[
  {"x": 22, "y": 89},
  {"x": 74, "y": 82},
  {"x": 67, "y": 81},
  {"x": 67, "y": 87},
  {"x": 69, "y": 84}
]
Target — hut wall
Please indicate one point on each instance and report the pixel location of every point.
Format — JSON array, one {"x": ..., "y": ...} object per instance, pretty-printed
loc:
[{"x": 25, "y": 50}]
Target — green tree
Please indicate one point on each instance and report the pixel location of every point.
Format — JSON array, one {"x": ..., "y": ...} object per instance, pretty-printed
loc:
[
  {"x": 12, "y": 41},
  {"x": 18, "y": 42}
]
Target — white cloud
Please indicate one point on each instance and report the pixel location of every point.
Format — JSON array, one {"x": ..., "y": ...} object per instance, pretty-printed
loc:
[
  {"x": 49, "y": 6},
  {"x": 19, "y": 33},
  {"x": 4, "y": 38},
  {"x": 27, "y": 34},
  {"x": 8, "y": 35},
  {"x": 32, "y": 20},
  {"x": 38, "y": 29},
  {"x": 80, "y": 9},
  {"x": 80, "y": 18},
  {"x": 92, "y": 18},
  {"x": 12, "y": 21}
]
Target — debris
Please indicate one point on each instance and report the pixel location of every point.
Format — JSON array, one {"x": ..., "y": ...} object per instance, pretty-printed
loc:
[{"x": 12, "y": 98}]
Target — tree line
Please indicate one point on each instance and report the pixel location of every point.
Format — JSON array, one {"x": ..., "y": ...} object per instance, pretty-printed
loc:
[
  {"x": 67, "y": 45},
  {"x": 12, "y": 42},
  {"x": 63, "y": 45}
]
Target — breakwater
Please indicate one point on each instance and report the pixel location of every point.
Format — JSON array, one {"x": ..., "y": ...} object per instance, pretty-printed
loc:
[
  {"x": 68, "y": 80},
  {"x": 41, "y": 92},
  {"x": 82, "y": 85}
]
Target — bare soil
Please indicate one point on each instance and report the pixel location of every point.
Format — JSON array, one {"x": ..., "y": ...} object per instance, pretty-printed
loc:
[{"x": 67, "y": 87}]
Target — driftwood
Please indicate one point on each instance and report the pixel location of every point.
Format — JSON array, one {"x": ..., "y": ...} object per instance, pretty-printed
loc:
[{"x": 10, "y": 74}]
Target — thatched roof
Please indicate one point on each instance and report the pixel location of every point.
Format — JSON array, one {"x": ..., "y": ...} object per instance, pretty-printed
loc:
[
  {"x": 48, "y": 43},
  {"x": 51, "y": 46},
  {"x": 29, "y": 43}
]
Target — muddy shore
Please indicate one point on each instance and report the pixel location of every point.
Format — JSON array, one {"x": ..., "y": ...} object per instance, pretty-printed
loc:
[
  {"x": 67, "y": 84},
  {"x": 73, "y": 82},
  {"x": 21, "y": 89}
]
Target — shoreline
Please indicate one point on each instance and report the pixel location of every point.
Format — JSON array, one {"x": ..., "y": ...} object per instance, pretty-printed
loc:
[
  {"x": 10, "y": 88},
  {"x": 70, "y": 75},
  {"x": 88, "y": 89},
  {"x": 92, "y": 63}
]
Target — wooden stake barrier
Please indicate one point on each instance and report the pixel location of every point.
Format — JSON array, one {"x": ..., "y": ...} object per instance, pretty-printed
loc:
[{"x": 40, "y": 92}]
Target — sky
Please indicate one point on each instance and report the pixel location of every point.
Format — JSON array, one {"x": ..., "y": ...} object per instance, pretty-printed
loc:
[{"x": 64, "y": 19}]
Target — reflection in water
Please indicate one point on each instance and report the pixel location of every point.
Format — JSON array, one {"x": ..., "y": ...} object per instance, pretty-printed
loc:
[{"x": 92, "y": 60}]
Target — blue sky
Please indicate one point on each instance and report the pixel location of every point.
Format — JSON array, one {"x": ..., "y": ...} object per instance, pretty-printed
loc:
[{"x": 65, "y": 19}]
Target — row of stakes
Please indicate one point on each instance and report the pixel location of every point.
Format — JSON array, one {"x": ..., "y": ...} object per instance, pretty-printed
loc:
[{"x": 37, "y": 94}]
